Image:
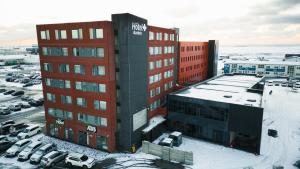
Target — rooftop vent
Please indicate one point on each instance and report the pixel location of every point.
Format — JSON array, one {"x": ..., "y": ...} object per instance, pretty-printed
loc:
[
  {"x": 251, "y": 100},
  {"x": 227, "y": 96}
]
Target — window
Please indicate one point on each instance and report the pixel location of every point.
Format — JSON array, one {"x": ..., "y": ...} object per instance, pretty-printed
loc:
[
  {"x": 99, "y": 105},
  {"x": 158, "y": 36},
  {"x": 93, "y": 120},
  {"x": 96, "y": 33},
  {"x": 66, "y": 99},
  {"x": 158, "y": 64},
  {"x": 90, "y": 87},
  {"x": 51, "y": 97},
  {"x": 60, "y": 34},
  {"x": 172, "y": 37},
  {"x": 77, "y": 34},
  {"x": 166, "y": 36},
  {"x": 48, "y": 67},
  {"x": 152, "y": 93},
  {"x": 64, "y": 68},
  {"x": 88, "y": 52},
  {"x": 81, "y": 102},
  {"x": 151, "y": 50},
  {"x": 157, "y": 91},
  {"x": 79, "y": 69},
  {"x": 165, "y": 62},
  {"x": 101, "y": 143},
  {"x": 151, "y": 65},
  {"x": 151, "y": 35},
  {"x": 54, "y": 51},
  {"x": 45, "y": 35},
  {"x": 58, "y": 83},
  {"x": 154, "y": 105},
  {"x": 98, "y": 70},
  {"x": 60, "y": 113}
]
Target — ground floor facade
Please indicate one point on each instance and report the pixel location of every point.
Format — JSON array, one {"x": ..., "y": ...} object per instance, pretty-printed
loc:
[{"x": 86, "y": 135}]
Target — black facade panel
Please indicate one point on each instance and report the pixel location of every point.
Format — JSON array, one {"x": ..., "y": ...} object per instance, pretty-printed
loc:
[
  {"x": 213, "y": 54},
  {"x": 131, "y": 43}
]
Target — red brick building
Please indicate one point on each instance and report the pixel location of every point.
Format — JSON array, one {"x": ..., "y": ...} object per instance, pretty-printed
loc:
[
  {"x": 192, "y": 62},
  {"x": 104, "y": 80}
]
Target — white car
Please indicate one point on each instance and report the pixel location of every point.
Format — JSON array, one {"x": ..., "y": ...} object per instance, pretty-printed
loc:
[
  {"x": 79, "y": 160},
  {"x": 17, "y": 148},
  {"x": 30, "y": 131},
  {"x": 29, "y": 150}
]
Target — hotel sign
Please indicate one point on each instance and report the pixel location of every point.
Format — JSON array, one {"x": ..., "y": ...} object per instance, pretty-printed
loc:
[
  {"x": 138, "y": 29},
  {"x": 60, "y": 122}
]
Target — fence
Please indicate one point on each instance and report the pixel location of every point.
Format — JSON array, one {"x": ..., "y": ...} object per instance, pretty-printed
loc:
[{"x": 167, "y": 153}]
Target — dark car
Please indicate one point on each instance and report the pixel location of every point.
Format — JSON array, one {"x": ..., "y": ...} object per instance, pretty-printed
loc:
[
  {"x": 52, "y": 158},
  {"x": 18, "y": 93},
  {"x": 17, "y": 128},
  {"x": 4, "y": 145},
  {"x": 10, "y": 79},
  {"x": 9, "y": 92},
  {"x": 36, "y": 103},
  {"x": 28, "y": 84},
  {"x": 15, "y": 108},
  {"x": 5, "y": 129},
  {"x": 4, "y": 111},
  {"x": 25, "y": 98},
  {"x": 9, "y": 74},
  {"x": 2, "y": 90},
  {"x": 25, "y": 80},
  {"x": 24, "y": 105},
  {"x": 7, "y": 122}
]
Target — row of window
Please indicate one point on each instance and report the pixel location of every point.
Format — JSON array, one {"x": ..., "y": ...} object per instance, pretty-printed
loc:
[
  {"x": 158, "y": 64},
  {"x": 77, "y": 52},
  {"x": 159, "y": 36},
  {"x": 188, "y": 68},
  {"x": 191, "y": 58},
  {"x": 82, "y": 86},
  {"x": 168, "y": 74},
  {"x": 157, "y": 77},
  {"x": 192, "y": 48},
  {"x": 192, "y": 77},
  {"x": 78, "y": 69},
  {"x": 155, "y": 92},
  {"x": 95, "y": 33},
  {"x": 88, "y": 119},
  {"x": 158, "y": 50}
]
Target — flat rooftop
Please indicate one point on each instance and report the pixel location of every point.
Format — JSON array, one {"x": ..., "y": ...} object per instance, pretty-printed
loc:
[{"x": 228, "y": 89}]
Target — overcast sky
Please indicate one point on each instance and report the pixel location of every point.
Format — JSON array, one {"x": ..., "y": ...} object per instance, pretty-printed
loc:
[{"x": 233, "y": 22}]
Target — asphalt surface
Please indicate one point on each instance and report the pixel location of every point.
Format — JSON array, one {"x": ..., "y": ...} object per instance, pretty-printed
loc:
[{"x": 18, "y": 116}]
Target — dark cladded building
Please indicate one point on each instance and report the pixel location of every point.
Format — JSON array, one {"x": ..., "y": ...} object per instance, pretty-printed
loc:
[{"x": 225, "y": 110}]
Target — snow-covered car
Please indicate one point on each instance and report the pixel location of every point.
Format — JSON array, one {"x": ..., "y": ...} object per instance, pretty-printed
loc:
[
  {"x": 45, "y": 149},
  {"x": 30, "y": 131},
  {"x": 50, "y": 159},
  {"x": 29, "y": 150},
  {"x": 168, "y": 142},
  {"x": 79, "y": 160},
  {"x": 17, "y": 148}
]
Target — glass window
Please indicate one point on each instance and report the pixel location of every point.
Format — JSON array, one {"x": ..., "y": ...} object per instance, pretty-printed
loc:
[
  {"x": 51, "y": 97},
  {"x": 98, "y": 70},
  {"x": 60, "y": 34},
  {"x": 45, "y": 51},
  {"x": 64, "y": 68},
  {"x": 81, "y": 102},
  {"x": 45, "y": 35},
  {"x": 151, "y": 65},
  {"x": 77, "y": 34},
  {"x": 166, "y": 36},
  {"x": 102, "y": 88},
  {"x": 96, "y": 33},
  {"x": 79, "y": 69},
  {"x": 151, "y": 35},
  {"x": 67, "y": 84}
]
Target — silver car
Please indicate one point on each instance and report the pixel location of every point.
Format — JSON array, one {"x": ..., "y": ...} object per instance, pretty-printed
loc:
[
  {"x": 17, "y": 148},
  {"x": 37, "y": 156},
  {"x": 52, "y": 158},
  {"x": 29, "y": 150}
]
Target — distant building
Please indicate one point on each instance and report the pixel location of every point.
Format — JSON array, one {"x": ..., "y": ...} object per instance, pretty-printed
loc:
[
  {"x": 264, "y": 68},
  {"x": 225, "y": 110},
  {"x": 34, "y": 49},
  {"x": 11, "y": 60}
]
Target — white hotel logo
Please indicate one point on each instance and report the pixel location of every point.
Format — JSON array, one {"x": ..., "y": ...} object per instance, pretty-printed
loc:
[{"x": 138, "y": 29}]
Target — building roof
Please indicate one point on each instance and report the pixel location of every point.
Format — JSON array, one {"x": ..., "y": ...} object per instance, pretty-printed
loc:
[
  {"x": 228, "y": 89},
  {"x": 11, "y": 57},
  {"x": 263, "y": 62},
  {"x": 153, "y": 122}
]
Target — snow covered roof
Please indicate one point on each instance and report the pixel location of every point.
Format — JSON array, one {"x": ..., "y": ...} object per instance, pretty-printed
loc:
[
  {"x": 176, "y": 133},
  {"x": 228, "y": 89},
  {"x": 167, "y": 140},
  {"x": 256, "y": 62},
  {"x": 11, "y": 57},
  {"x": 153, "y": 122}
]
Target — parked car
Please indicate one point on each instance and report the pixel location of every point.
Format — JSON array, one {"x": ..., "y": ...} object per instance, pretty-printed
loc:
[
  {"x": 24, "y": 105},
  {"x": 3, "y": 138},
  {"x": 166, "y": 142},
  {"x": 25, "y": 98},
  {"x": 25, "y": 80},
  {"x": 28, "y": 84},
  {"x": 5, "y": 129},
  {"x": 18, "y": 93},
  {"x": 17, "y": 148},
  {"x": 177, "y": 138},
  {"x": 45, "y": 149},
  {"x": 15, "y": 107},
  {"x": 284, "y": 84},
  {"x": 29, "y": 150},
  {"x": 30, "y": 131},
  {"x": 6, "y": 144},
  {"x": 4, "y": 111},
  {"x": 2, "y": 90},
  {"x": 15, "y": 129},
  {"x": 36, "y": 103},
  {"x": 9, "y": 74},
  {"x": 7, "y": 122},
  {"x": 79, "y": 160},
  {"x": 9, "y": 92},
  {"x": 297, "y": 85},
  {"x": 52, "y": 158},
  {"x": 10, "y": 79}
]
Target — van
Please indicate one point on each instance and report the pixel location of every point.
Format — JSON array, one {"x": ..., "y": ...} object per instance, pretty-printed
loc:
[
  {"x": 38, "y": 155},
  {"x": 30, "y": 131},
  {"x": 177, "y": 138}
]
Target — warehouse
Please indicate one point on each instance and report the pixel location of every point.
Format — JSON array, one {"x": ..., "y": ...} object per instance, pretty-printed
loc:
[{"x": 225, "y": 110}]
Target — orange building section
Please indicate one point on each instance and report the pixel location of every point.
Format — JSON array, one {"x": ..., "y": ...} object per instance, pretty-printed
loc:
[{"x": 192, "y": 62}]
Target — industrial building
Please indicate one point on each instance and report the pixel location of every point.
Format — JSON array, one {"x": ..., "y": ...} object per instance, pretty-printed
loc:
[
  {"x": 264, "y": 68},
  {"x": 105, "y": 80},
  {"x": 225, "y": 110}
]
